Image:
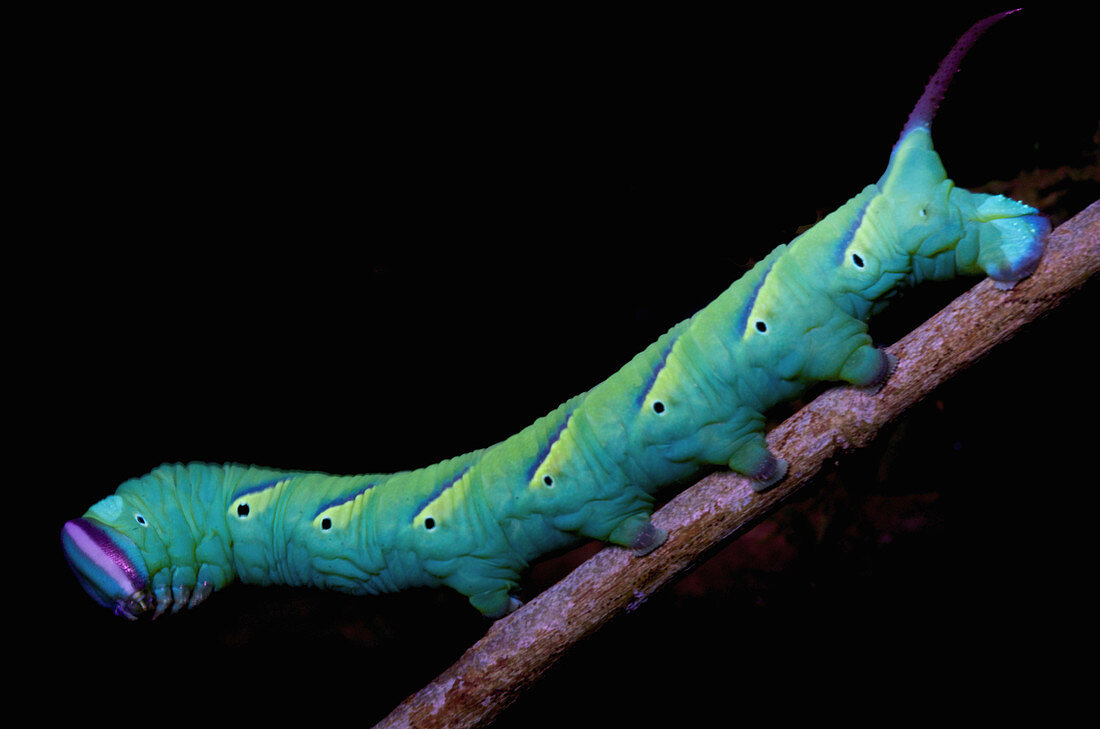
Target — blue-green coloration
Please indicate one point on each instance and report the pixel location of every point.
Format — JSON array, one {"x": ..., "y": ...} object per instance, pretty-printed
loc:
[{"x": 589, "y": 469}]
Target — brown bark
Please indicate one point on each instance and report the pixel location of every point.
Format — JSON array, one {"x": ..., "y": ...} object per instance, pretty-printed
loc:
[{"x": 518, "y": 649}]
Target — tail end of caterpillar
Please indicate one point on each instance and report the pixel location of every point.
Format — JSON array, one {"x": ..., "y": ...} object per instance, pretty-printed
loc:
[
  {"x": 1011, "y": 238},
  {"x": 109, "y": 567}
]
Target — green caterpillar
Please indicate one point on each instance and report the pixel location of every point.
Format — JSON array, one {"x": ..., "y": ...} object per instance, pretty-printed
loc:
[{"x": 589, "y": 469}]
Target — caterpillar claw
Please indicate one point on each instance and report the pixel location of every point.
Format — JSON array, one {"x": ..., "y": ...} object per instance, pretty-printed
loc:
[
  {"x": 200, "y": 593},
  {"x": 172, "y": 600},
  {"x": 181, "y": 595},
  {"x": 163, "y": 597}
]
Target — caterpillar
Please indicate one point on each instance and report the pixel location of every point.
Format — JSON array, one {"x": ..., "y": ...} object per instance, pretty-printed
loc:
[{"x": 589, "y": 469}]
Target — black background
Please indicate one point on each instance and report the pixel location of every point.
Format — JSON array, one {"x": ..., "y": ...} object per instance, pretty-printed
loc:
[{"x": 363, "y": 243}]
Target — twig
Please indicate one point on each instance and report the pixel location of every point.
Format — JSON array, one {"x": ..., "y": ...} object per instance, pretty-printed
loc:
[{"x": 518, "y": 649}]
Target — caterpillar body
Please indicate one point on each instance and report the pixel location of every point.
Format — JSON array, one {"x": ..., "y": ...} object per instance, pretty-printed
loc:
[{"x": 590, "y": 468}]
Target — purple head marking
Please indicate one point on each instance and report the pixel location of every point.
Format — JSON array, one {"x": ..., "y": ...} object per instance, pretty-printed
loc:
[{"x": 107, "y": 564}]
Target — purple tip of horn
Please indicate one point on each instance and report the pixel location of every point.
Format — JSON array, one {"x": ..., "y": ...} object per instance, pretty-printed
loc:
[{"x": 929, "y": 101}]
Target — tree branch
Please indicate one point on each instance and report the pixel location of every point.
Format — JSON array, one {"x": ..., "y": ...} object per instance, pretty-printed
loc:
[{"x": 518, "y": 649}]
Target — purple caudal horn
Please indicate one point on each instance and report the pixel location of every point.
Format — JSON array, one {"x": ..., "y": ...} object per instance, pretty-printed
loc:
[
  {"x": 108, "y": 566},
  {"x": 929, "y": 101}
]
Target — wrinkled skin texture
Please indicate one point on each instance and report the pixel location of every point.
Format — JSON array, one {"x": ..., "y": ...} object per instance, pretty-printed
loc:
[{"x": 695, "y": 398}]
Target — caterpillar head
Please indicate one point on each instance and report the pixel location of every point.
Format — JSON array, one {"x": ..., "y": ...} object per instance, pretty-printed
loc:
[
  {"x": 136, "y": 559},
  {"x": 108, "y": 565}
]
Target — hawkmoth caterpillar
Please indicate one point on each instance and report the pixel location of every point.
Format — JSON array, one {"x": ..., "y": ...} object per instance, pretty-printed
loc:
[{"x": 590, "y": 468}]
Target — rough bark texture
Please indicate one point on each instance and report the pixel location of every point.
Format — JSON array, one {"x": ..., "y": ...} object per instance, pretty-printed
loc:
[{"x": 518, "y": 649}]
